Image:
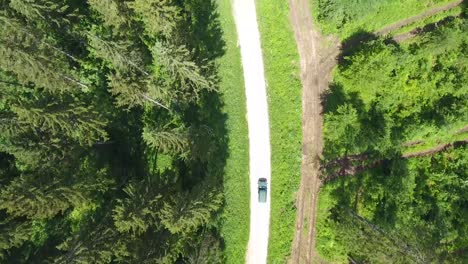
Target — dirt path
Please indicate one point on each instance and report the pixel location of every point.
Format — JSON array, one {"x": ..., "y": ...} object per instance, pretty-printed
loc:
[
  {"x": 428, "y": 13},
  {"x": 317, "y": 61},
  {"x": 352, "y": 165},
  {"x": 259, "y": 133}
]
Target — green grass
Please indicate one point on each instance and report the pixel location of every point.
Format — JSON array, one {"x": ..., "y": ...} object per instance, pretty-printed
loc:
[
  {"x": 432, "y": 19},
  {"x": 346, "y": 17},
  {"x": 281, "y": 62},
  {"x": 433, "y": 136},
  {"x": 326, "y": 245},
  {"x": 235, "y": 219}
]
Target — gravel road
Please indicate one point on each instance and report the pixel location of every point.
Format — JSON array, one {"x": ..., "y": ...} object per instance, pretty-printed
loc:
[{"x": 259, "y": 134}]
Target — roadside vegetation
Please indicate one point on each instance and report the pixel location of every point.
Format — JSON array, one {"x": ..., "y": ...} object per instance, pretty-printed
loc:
[
  {"x": 235, "y": 218},
  {"x": 346, "y": 18},
  {"x": 380, "y": 207},
  {"x": 114, "y": 137},
  {"x": 435, "y": 19},
  {"x": 284, "y": 101}
]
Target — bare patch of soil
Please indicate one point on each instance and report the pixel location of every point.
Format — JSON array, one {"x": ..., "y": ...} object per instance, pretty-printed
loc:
[{"x": 317, "y": 61}]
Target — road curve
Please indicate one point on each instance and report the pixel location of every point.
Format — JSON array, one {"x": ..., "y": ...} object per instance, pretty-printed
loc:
[{"x": 259, "y": 133}]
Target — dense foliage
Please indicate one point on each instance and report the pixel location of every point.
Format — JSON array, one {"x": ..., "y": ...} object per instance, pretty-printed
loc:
[
  {"x": 383, "y": 93},
  {"x": 112, "y": 142},
  {"x": 400, "y": 210}
]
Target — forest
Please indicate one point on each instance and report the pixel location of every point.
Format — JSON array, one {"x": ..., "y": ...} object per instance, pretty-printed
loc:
[
  {"x": 395, "y": 157},
  {"x": 112, "y": 137}
]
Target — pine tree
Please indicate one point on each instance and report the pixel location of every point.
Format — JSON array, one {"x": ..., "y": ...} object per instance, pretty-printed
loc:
[
  {"x": 184, "y": 213},
  {"x": 32, "y": 149},
  {"x": 113, "y": 12},
  {"x": 75, "y": 121},
  {"x": 138, "y": 211},
  {"x": 29, "y": 196},
  {"x": 41, "y": 10},
  {"x": 28, "y": 56},
  {"x": 205, "y": 249},
  {"x": 159, "y": 17},
  {"x": 181, "y": 71},
  {"x": 131, "y": 91},
  {"x": 13, "y": 233},
  {"x": 42, "y": 195},
  {"x": 169, "y": 141},
  {"x": 97, "y": 245},
  {"x": 121, "y": 55}
]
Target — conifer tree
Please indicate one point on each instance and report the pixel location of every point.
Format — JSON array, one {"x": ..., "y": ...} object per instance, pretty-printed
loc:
[
  {"x": 205, "y": 249},
  {"x": 114, "y": 13},
  {"x": 121, "y": 55},
  {"x": 49, "y": 11},
  {"x": 182, "y": 72},
  {"x": 42, "y": 195},
  {"x": 169, "y": 141},
  {"x": 139, "y": 210},
  {"x": 184, "y": 213},
  {"x": 97, "y": 245},
  {"x": 13, "y": 233},
  {"x": 160, "y": 17},
  {"x": 75, "y": 121},
  {"x": 28, "y": 56}
]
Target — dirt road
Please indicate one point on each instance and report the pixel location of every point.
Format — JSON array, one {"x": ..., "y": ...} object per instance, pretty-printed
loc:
[
  {"x": 259, "y": 133},
  {"x": 317, "y": 60}
]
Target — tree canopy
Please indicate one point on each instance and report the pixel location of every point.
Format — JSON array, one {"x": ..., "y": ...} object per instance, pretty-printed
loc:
[{"x": 112, "y": 140}]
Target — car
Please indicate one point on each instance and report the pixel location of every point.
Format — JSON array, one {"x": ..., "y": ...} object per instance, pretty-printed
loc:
[{"x": 262, "y": 190}]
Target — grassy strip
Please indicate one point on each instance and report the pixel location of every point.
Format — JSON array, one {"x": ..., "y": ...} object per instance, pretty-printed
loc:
[
  {"x": 235, "y": 225},
  {"x": 326, "y": 245},
  {"x": 345, "y": 18},
  {"x": 429, "y": 20},
  {"x": 433, "y": 136},
  {"x": 284, "y": 98}
]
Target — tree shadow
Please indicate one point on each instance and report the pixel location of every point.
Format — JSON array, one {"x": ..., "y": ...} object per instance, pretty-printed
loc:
[
  {"x": 378, "y": 188},
  {"x": 204, "y": 30},
  {"x": 354, "y": 43},
  {"x": 335, "y": 96},
  {"x": 205, "y": 39}
]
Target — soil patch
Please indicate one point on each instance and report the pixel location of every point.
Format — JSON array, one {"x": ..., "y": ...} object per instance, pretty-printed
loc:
[{"x": 317, "y": 62}]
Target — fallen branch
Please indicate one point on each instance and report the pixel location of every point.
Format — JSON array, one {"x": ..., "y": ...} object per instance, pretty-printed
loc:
[
  {"x": 154, "y": 101},
  {"x": 347, "y": 169}
]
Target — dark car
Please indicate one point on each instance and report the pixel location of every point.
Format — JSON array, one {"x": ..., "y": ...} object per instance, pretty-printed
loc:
[{"x": 262, "y": 190}]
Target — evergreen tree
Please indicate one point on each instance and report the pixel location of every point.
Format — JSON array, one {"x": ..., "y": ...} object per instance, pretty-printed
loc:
[
  {"x": 184, "y": 213},
  {"x": 83, "y": 103},
  {"x": 139, "y": 210},
  {"x": 50, "y": 11},
  {"x": 33, "y": 61},
  {"x": 182, "y": 72},
  {"x": 74, "y": 121},
  {"x": 205, "y": 249},
  {"x": 43, "y": 195},
  {"x": 114, "y": 13},
  {"x": 13, "y": 233},
  {"x": 96, "y": 246},
  {"x": 160, "y": 17},
  {"x": 170, "y": 141}
]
